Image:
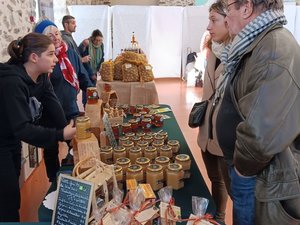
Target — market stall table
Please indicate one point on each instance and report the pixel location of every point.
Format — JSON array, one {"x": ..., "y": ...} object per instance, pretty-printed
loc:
[
  {"x": 132, "y": 93},
  {"x": 194, "y": 186}
]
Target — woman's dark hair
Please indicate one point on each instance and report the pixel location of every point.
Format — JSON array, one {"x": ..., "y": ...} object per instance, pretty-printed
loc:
[
  {"x": 96, "y": 33},
  {"x": 20, "y": 49}
]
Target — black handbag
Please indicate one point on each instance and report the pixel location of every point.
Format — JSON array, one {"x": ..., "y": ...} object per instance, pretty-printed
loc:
[{"x": 197, "y": 114}]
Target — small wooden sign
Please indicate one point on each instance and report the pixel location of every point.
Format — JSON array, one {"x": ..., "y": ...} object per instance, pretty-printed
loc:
[{"x": 73, "y": 201}]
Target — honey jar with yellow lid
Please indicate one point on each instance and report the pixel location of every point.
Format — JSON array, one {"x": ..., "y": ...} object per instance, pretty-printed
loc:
[
  {"x": 148, "y": 138},
  {"x": 142, "y": 144},
  {"x": 136, "y": 139},
  {"x": 135, "y": 172},
  {"x": 123, "y": 139},
  {"x": 164, "y": 162},
  {"x": 185, "y": 161},
  {"x": 118, "y": 152},
  {"x": 134, "y": 153},
  {"x": 106, "y": 154},
  {"x": 151, "y": 153},
  {"x": 166, "y": 150},
  {"x": 119, "y": 176},
  {"x": 124, "y": 163},
  {"x": 140, "y": 134},
  {"x": 127, "y": 145},
  {"x": 157, "y": 144},
  {"x": 159, "y": 137},
  {"x": 130, "y": 135},
  {"x": 144, "y": 162},
  {"x": 155, "y": 176},
  {"x": 175, "y": 176},
  {"x": 83, "y": 127},
  {"x": 175, "y": 146},
  {"x": 165, "y": 135}
]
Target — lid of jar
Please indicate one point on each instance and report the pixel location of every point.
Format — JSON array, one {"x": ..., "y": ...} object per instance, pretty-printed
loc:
[
  {"x": 132, "y": 121},
  {"x": 136, "y": 115},
  {"x": 154, "y": 167},
  {"x": 119, "y": 149},
  {"x": 148, "y": 116},
  {"x": 128, "y": 143},
  {"x": 82, "y": 119},
  {"x": 146, "y": 120},
  {"x": 150, "y": 133},
  {"x": 130, "y": 134},
  {"x": 140, "y": 134},
  {"x": 117, "y": 168},
  {"x": 142, "y": 160},
  {"x": 123, "y": 160},
  {"x": 165, "y": 148},
  {"x": 91, "y": 89},
  {"x": 136, "y": 138},
  {"x": 124, "y": 138},
  {"x": 173, "y": 142},
  {"x": 142, "y": 143},
  {"x": 162, "y": 159},
  {"x": 150, "y": 149},
  {"x": 106, "y": 149},
  {"x": 174, "y": 167},
  {"x": 159, "y": 137},
  {"x": 157, "y": 143},
  {"x": 147, "y": 137},
  {"x": 163, "y": 133},
  {"x": 182, "y": 157},
  {"x": 135, "y": 149},
  {"x": 126, "y": 124},
  {"x": 134, "y": 168},
  {"x": 143, "y": 113},
  {"x": 115, "y": 125}
]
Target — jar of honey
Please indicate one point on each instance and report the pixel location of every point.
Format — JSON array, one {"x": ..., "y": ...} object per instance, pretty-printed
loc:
[
  {"x": 164, "y": 162},
  {"x": 115, "y": 129},
  {"x": 106, "y": 154},
  {"x": 150, "y": 152},
  {"x": 134, "y": 153},
  {"x": 166, "y": 150},
  {"x": 185, "y": 161},
  {"x": 126, "y": 128},
  {"x": 92, "y": 95},
  {"x": 174, "y": 144},
  {"x": 155, "y": 176},
  {"x": 83, "y": 127},
  {"x": 165, "y": 135},
  {"x": 158, "y": 120},
  {"x": 140, "y": 134},
  {"x": 144, "y": 162},
  {"x": 135, "y": 139},
  {"x": 142, "y": 145},
  {"x": 119, "y": 176},
  {"x": 124, "y": 163},
  {"x": 139, "y": 108},
  {"x": 134, "y": 125},
  {"x": 146, "y": 124},
  {"x": 175, "y": 176},
  {"x": 159, "y": 137},
  {"x": 157, "y": 144},
  {"x": 119, "y": 152},
  {"x": 150, "y": 116},
  {"x": 135, "y": 172},
  {"x": 128, "y": 145},
  {"x": 130, "y": 135},
  {"x": 138, "y": 118},
  {"x": 148, "y": 138},
  {"x": 122, "y": 140},
  {"x": 143, "y": 113}
]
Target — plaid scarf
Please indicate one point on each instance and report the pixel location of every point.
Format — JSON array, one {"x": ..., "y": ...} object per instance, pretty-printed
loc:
[
  {"x": 234, "y": 51},
  {"x": 66, "y": 66}
]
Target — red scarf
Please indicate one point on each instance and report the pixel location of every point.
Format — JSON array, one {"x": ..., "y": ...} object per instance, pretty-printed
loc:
[{"x": 66, "y": 66}]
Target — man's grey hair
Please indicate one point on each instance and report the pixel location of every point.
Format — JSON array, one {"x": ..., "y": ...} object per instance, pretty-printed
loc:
[{"x": 263, "y": 5}]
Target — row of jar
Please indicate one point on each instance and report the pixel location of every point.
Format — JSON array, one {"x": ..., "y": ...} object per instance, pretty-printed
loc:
[
  {"x": 159, "y": 174},
  {"x": 142, "y": 136},
  {"x": 110, "y": 155}
]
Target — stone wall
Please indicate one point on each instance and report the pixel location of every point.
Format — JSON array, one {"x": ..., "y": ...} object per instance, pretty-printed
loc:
[{"x": 15, "y": 22}]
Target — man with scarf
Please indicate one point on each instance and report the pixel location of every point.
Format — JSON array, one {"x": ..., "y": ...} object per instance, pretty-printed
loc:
[
  {"x": 68, "y": 76},
  {"x": 258, "y": 120}
]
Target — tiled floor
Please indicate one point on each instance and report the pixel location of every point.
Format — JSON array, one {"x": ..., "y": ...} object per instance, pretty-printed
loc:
[{"x": 171, "y": 91}]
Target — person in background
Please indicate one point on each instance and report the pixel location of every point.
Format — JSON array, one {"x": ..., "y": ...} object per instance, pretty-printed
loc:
[
  {"x": 211, "y": 152},
  {"x": 94, "y": 48},
  {"x": 258, "y": 120},
  {"x": 26, "y": 96},
  {"x": 67, "y": 78}
]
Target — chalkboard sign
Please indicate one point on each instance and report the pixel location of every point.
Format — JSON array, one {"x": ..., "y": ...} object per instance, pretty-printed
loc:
[{"x": 73, "y": 202}]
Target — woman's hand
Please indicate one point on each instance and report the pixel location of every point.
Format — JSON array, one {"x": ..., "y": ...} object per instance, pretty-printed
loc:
[{"x": 69, "y": 131}]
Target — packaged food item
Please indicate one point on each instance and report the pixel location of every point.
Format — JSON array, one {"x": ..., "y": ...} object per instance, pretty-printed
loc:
[
  {"x": 185, "y": 161},
  {"x": 146, "y": 73},
  {"x": 130, "y": 73},
  {"x": 175, "y": 176},
  {"x": 155, "y": 176},
  {"x": 83, "y": 127},
  {"x": 107, "y": 71}
]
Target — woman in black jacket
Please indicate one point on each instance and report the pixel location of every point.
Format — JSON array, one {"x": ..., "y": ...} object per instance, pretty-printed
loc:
[{"x": 26, "y": 97}]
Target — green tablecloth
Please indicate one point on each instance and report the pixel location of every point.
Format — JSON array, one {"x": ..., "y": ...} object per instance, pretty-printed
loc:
[{"x": 195, "y": 186}]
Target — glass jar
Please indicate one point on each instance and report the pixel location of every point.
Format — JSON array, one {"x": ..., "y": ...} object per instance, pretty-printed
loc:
[
  {"x": 166, "y": 150},
  {"x": 174, "y": 144},
  {"x": 140, "y": 134},
  {"x": 158, "y": 120},
  {"x": 134, "y": 153},
  {"x": 135, "y": 172},
  {"x": 130, "y": 135},
  {"x": 150, "y": 116},
  {"x": 159, "y": 137},
  {"x": 126, "y": 128},
  {"x": 157, "y": 144},
  {"x": 119, "y": 152},
  {"x": 185, "y": 161},
  {"x": 122, "y": 140},
  {"x": 148, "y": 138},
  {"x": 165, "y": 135},
  {"x": 175, "y": 176},
  {"x": 142, "y": 145},
  {"x": 128, "y": 145},
  {"x": 155, "y": 176},
  {"x": 132, "y": 109},
  {"x": 124, "y": 163},
  {"x": 137, "y": 117},
  {"x": 150, "y": 152},
  {"x": 83, "y": 127},
  {"x": 92, "y": 95},
  {"x": 134, "y": 125},
  {"x": 115, "y": 129},
  {"x": 144, "y": 162},
  {"x": 164, "y": 162},
  {"x": 139, "y": 108},
  {"x": 119, "y": 176},
  {"x": 106, "y": 154},
  {"x": 143, "y": 113},
  {"x": 135, "y": 139},
  {"x": 146, "y": 124}
]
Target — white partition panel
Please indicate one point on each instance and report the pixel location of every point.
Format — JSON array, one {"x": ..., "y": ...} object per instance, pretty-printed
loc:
[
  {"x": 195, "y": 21},
  {"x": 290, "y": 14},
  {"x": 297, "y": 27},
  {"x": 128, "y": 19},
  {"x": 166, "y": 40},
  {"x": 89, "y": 18}
]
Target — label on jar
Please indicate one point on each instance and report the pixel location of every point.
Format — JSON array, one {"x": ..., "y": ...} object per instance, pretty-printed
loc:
[{"x": 128, "y": 65}]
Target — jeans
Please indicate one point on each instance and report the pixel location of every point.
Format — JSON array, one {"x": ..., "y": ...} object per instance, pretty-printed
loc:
[{"x": 242, "y": 194}]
